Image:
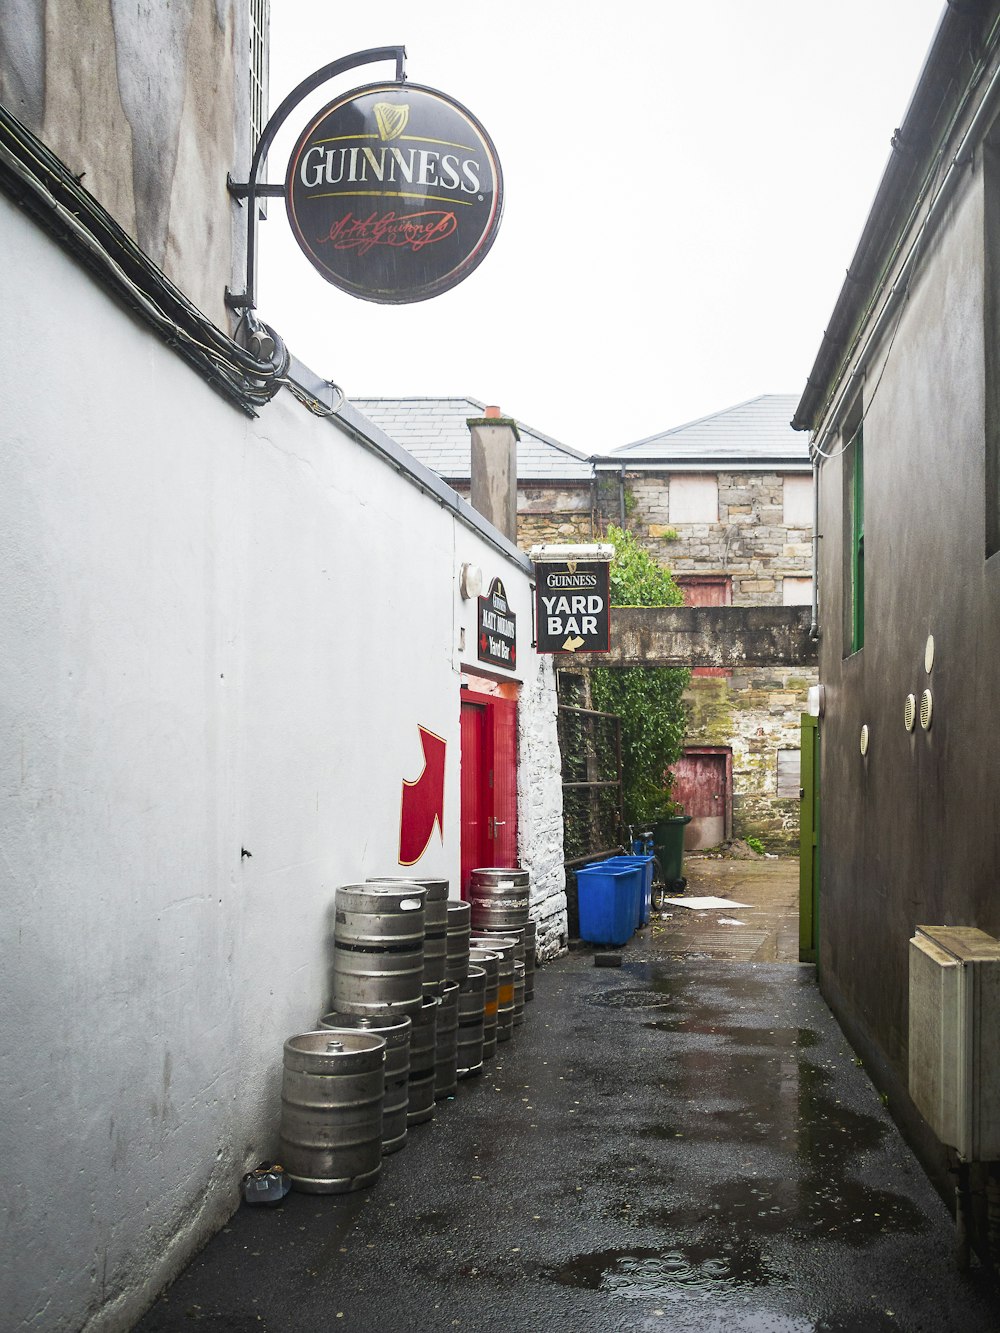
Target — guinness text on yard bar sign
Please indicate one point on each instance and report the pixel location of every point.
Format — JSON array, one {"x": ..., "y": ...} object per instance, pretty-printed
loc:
[
  {"x": 572, "y": 607},
  {"x": 497, "y": 628},
  {"x": 394, "y": 192}
]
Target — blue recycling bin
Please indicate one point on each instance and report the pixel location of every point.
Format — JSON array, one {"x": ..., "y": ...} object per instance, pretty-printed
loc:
[
  {"x": 645, "y": 864},
  {"x": 628, "y": 863},
  {"x": 606, "y": 900}
]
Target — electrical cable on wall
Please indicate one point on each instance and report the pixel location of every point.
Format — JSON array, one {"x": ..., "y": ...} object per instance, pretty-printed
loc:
[{"x": 37, "y": 179}]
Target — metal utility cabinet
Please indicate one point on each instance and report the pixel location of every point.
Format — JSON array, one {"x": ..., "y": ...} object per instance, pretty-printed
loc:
[{"x": 955, "y": 1037}]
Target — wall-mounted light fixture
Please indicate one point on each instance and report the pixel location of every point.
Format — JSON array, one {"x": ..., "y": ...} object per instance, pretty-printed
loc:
[
  {"x": 470, "y": 581},
  {"x": 816, "y": 700}
]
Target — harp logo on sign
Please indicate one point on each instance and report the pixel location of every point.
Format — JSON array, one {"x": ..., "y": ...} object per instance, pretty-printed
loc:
[{"x": 572, "y": 607}]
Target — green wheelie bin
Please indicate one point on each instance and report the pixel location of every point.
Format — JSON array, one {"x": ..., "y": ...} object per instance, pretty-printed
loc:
[{"x": 668, "y": 846}]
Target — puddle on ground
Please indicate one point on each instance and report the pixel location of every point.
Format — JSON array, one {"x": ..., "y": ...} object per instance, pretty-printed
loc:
[
  {"x": 868, "y": 1321},
  {"x": 434, "y": 1222},
  {"x": 834, "y": 1209},
  {"x": 667, "y": 1274},
  {"x": 660, "y": 1131},
  {"x": 793, "y": 1115},
  {"x": 785, "y": 1039},
  {"x": 830, "y": 1133}
]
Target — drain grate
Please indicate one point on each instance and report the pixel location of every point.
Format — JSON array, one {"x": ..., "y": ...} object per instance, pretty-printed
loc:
[
  {"x": 736, "y": 945},
  {"x": 631, "y": 999}
]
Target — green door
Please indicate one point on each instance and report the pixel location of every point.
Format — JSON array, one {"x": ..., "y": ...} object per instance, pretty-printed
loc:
[{"x": 809, "y": 842}]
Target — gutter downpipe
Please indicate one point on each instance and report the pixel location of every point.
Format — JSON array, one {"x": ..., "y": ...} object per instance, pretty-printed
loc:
[
  {"x": 621, "y": 495},
  {"x": 814, "y": 627}
]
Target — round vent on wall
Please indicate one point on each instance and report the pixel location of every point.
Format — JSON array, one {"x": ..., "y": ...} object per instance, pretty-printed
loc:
[
  {"x": 926, "y": 710},
  {"x": 910, "y": 712},
  {"x": 864, "y": 739},
  {"x": 929, "y": 654}
]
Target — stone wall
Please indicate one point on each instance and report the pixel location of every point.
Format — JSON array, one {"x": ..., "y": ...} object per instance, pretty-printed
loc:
[
  {"x": 755, "y": 713},
  {"x": 750, "y": 541},
  {"x": 540, "y": 807},
  {"x": 560, "y": 514}
]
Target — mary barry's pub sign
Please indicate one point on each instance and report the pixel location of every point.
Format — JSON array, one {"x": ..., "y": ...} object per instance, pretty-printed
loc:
[
  {"x": 394, "y": 192},
  {"x": 497, "y": 629}
]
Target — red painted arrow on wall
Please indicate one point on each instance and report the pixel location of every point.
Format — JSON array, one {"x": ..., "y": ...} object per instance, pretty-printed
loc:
[{"x": 423, "y": 801}]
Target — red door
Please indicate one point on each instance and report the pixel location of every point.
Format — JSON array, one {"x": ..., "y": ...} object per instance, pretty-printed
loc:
[
  {"x": 474, "y": 794},
  {"x": 702, "y": 783},
  {"x": 503, "y": 777},
  {"x": 489, "y": 783}
]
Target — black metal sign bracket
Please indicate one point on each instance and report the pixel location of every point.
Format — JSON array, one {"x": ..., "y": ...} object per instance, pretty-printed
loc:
[{"x": 251, "y": 191}]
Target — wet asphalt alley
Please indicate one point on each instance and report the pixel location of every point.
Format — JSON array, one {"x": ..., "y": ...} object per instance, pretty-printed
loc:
[{"x": 682, "y": 1143}]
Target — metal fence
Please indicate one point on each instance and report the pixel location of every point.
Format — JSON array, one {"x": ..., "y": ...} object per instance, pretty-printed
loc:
[{"x": 593, "y": 824}]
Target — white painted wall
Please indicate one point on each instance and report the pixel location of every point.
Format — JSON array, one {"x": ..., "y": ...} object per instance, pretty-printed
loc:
[{"x": 218, "y": 634}]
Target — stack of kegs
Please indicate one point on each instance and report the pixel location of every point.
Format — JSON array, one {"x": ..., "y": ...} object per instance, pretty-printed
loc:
[
  {"x": 498, "y": 898},
  {"x": 332, "y": 1094},
  {"x": 471, "y": 1021},
  {"x": 446, "y": 1038},
  {"x": 498, "y": 901},
  {"x": 471, "y": 997},
  {"x": 435, "y": 923},
  {"x": 433, "y": 1070},
  {"x": 457, "y": 959},
  {"x": 421, "y": 991},
  {"x": 487, "y": 959},
  {"x": 378, "y": 948},
  {"x": 395, "y": 1032},
  {"x": 423, "y": 1052},
  {"x": 503, "y": 948},
  {"x": 377, "y": 985}
]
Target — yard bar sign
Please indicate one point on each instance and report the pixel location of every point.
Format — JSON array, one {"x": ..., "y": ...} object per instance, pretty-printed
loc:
[
  {"x": 394, "y": 192},
  {"x": 497, "y": 629},
  {"x": 572, "y": 601}
]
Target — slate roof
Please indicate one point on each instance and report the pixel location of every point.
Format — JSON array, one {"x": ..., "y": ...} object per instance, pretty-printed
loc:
[
  {"x": 433, "y": 430},
  {"x": 756, "y": 434}
]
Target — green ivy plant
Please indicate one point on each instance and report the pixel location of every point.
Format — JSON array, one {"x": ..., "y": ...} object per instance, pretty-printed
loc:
[{"x": 647, "y": 699}]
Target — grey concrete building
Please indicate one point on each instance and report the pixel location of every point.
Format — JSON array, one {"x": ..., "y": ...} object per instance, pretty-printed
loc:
[{"x": 903, "y": 410}]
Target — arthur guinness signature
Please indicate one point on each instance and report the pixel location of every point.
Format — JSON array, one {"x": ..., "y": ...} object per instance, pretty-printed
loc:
[{"x": 415, "y": 230}]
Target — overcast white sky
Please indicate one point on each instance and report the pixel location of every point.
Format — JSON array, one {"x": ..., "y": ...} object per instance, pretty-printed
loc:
[{"x": 685, "y": 185}]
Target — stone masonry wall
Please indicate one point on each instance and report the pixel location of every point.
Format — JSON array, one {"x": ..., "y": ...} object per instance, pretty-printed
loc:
[
  {"x": 755, "y": 713},
  {"x": 750, "y": 541},
  {"x": 540, "y": 808},
  {"x": 561, "y": 514}
]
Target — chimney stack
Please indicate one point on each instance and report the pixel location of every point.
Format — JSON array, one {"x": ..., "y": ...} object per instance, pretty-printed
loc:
[{"x": 494, "y": 469}]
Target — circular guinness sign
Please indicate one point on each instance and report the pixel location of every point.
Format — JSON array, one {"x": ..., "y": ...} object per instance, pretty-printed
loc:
[{"x": 394, "y": 192}]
